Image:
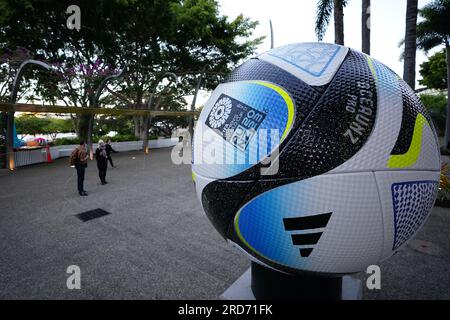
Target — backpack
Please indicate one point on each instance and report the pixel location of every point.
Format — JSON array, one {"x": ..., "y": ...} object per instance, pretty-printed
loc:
[{"x": 74, "y": 158}]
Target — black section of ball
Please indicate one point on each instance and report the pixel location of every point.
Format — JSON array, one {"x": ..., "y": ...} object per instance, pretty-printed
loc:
[
  {"x": 338, "y": 126},
  {"x": 222, "y": 200},
  {"x": 411, "y": 108}
]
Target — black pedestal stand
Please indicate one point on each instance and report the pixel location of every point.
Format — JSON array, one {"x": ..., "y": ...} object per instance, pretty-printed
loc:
[{"x": 268, "y": 284}]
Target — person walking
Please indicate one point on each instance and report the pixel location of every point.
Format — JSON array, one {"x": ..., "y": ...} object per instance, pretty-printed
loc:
[
  {"x": 109, "y": 150},
  {"x": 78, "y": 159},
  {"x": 102, "y": 161}
]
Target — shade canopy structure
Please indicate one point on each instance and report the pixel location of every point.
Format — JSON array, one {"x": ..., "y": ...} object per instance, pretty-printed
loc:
[{"x": 12, "y": 108}]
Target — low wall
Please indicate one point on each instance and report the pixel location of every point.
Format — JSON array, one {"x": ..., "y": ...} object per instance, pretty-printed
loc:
[{"x": 27, "y": 157}]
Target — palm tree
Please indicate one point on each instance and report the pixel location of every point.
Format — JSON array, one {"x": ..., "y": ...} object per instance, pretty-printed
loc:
[
  {"x": 365, "y": 16},
  {"x": 409, "y": 62},
  {"x": 434, "y": 31},
  {"x": 324, "y": 10}
]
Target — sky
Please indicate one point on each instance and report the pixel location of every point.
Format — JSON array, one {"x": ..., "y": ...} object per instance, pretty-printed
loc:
[{"x": 293, "y": 21}]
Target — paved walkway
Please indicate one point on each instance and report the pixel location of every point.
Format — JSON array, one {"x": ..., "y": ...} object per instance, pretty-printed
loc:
[{"x": 156, "y": 243}]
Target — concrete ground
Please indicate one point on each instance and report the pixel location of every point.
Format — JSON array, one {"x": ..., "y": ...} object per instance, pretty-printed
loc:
[{"x": 156, "y": 243}]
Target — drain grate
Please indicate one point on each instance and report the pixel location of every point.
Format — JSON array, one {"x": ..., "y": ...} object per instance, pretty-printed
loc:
[{"x": 92, "y": 214}]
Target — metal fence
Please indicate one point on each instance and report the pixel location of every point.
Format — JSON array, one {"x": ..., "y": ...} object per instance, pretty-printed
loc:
[{"x": 27, "y": 157}]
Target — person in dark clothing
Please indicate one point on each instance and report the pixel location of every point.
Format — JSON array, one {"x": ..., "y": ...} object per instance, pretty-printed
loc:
[
  {"x": 109, "y": 150},
  {"x": 102, "y": 161},
  {"x": 81, "y": 165}
]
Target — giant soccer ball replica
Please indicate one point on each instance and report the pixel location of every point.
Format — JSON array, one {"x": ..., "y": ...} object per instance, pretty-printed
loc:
[{"x": 314, "y": 157}]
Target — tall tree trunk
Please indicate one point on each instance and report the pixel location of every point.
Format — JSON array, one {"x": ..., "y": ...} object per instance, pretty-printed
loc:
[
  {"x": 338, "y": 22},
  {"x": 366, "y": 26},
  {"x": 447, "y": 124},
  {"x": 409, "y": 68},
  {"x": 194, "y": 100},
  {"x": 3, "y": 125},
  {"x": 138, "y": 119},
  {"x": 145, "y": 136},
  {"x": 137, "y": 131},
  {"x": 83, "y": 127},
  {"x": 75, "y": 120},
  {"x": 90, "y": 139},
  {"x": 10, "y": 141},
  {"x": 85, "y": 132},
  {"x": 141, "y": 127}
]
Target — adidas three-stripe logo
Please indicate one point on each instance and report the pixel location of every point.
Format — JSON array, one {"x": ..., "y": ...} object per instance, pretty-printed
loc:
[{"x": 306, "y": 223}]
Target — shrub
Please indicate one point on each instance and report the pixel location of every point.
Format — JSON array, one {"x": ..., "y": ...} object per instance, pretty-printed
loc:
[
  {"x": 129, "y": 137},
  {"x": 118, "y": 138},
  {"x": 444, "y": 184},
  {"x": 66, "y": 141},
  {"x": 436, "y": 104}
]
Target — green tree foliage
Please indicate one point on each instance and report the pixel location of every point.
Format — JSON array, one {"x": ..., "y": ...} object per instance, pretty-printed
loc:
[
  {"x": 433, "y": 31},
  {"x": 56, "y": 126},
  {"x": 436, "y": 105},
  {"x": 150, "y": 37},
  {"x": 31, "y": 124},
  {"x": 122, "y": 125},
  {"x": 10, "y": 61},
  {"x": 434, "y": 71}
]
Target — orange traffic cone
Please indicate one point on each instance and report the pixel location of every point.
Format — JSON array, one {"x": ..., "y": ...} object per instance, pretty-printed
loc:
[{"x": 49, "y": 155}]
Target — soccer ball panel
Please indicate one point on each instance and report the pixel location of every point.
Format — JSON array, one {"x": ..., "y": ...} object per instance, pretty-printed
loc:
[
  {"x": 326, "y": 224},
  {"x": 404, "y": 135},
  {"x": 423, "y": 150},
  {"x": 242, "y": 123},
  {"x": 338, "y": 127},
  {"x": 313, "y": 63},
  {"x": 407, "y": 198},
  {"x": 305, "y": 96},
  {"x": 412, "y": 108},
  {"x": 375, "y": 153}
]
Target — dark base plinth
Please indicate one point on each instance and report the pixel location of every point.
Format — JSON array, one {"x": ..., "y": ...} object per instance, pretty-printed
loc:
[{"x": 268, "y": 284}]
